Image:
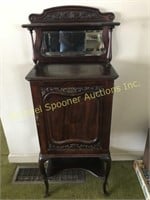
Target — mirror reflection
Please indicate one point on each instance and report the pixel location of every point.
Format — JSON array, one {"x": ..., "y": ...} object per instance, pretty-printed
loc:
[{"x": 89, "y": 42}]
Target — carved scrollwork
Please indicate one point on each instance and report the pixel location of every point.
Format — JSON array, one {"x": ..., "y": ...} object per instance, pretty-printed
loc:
[
  {"x": 58, "y": 16},
  {"x": 70, "y": 14},
  {"x": 74, "y": 146},
  {"x": 71, "y": 91}
]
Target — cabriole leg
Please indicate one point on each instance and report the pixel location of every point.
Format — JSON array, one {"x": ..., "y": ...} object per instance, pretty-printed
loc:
[
  {"x": 44, "y": 175},
  {"x": 107, "y": 171}
]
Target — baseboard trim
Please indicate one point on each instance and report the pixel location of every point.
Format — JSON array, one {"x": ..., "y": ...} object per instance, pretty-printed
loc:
[
  {"x": 33, "y": 158},
  {"x": 130, "y": 155},
  {"x": 23, "y": 158}
]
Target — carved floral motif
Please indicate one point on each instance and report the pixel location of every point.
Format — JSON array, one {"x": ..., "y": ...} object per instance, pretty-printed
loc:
[
  {"x": 74, "y": 146},
  {"x": 71, "y": 91},
  {"x": 74, "y": 13}
]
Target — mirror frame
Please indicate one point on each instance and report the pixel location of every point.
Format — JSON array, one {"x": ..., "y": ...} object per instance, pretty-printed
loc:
[{"x": 71, "y": 18}]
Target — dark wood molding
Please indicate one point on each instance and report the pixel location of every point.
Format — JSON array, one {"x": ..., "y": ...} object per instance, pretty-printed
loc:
[{"x": 71, "y": 14}]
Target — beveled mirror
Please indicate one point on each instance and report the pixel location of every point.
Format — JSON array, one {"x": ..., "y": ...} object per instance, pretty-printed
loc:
[
  {"x": 72, "y": 43},
  {"x": 70, "y": 34}
]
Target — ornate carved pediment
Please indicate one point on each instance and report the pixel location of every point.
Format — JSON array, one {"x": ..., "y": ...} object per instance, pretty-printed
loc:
[{"x": 71, "y": 14}]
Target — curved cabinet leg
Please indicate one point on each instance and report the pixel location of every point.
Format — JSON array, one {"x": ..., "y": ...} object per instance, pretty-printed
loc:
[
  {"x": 107, "y": 171},
  {"x": 44, "y": 175}
]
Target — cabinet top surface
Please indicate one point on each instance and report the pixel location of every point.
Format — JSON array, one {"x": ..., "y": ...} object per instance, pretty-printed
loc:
[{"x": 70, "y": 72}]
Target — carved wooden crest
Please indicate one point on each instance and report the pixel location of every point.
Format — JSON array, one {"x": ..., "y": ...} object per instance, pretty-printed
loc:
[{"x": 71, "y": 14}]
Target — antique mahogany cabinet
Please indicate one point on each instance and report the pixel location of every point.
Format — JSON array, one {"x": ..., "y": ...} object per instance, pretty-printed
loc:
[{"x": 72, "y": 88}]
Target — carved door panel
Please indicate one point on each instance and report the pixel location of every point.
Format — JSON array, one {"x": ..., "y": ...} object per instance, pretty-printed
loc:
[{"x": 73, "y": 118}]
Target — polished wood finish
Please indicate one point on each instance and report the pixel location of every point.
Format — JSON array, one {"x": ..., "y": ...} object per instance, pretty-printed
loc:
[
  {"x": 71, "y": 18},
  {"x": 90, "y": 116},
  {"x": 72, "y": 95},
  {"x": 80, "y": 129}
]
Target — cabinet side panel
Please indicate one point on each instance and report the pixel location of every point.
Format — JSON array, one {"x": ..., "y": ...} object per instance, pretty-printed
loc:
[
  {"x": 107, "y": 112},
  {"x": 39, "y": 116}
]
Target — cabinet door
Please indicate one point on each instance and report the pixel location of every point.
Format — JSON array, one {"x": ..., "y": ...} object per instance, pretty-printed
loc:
[{"x": 73, "y": 119}]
